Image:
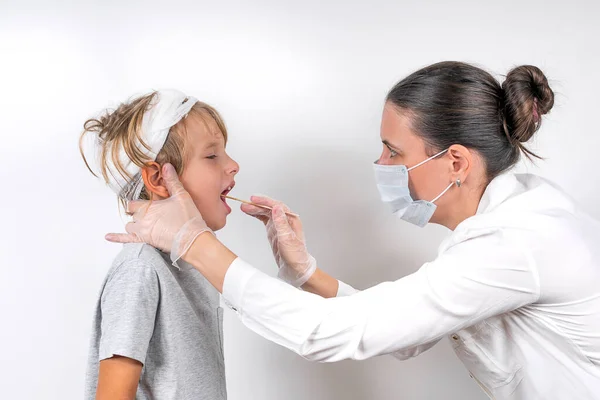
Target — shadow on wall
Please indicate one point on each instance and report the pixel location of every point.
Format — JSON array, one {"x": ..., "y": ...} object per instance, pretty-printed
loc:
[
  {"x": 350, "y": 232},
  {"x": 353, "y": 237}
]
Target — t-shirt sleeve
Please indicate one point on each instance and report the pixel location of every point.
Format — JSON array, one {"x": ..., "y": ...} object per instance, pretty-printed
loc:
[{"x": 128, "y": 307}]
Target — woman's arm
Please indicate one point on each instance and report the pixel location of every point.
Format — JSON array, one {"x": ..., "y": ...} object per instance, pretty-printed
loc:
[
  {"x": 405, "y": 317},
  {"x": 472, "y": 281},
  {"x": 296, "y": 266},
  {"x": 322, "y": 284},
  {"x": 118, "y": 378},
  {"x": 212, "y": 259}
]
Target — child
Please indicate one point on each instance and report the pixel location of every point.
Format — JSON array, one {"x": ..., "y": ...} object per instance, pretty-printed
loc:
[{"x": 157, "y": 330}]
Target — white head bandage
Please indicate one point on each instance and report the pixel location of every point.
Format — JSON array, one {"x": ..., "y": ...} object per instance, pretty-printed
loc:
[{"x": 166, "y": 109}]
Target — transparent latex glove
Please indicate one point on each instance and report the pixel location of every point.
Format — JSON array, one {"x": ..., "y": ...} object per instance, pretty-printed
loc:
[
  {"x": 286, "y": 237},
  {"x": 170, "y": 225}
]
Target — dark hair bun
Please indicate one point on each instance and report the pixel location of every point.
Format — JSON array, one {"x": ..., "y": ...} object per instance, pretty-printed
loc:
[{"x": 527, "y": 96}]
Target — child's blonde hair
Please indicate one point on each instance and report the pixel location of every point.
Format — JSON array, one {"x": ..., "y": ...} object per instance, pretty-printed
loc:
[{"x": 119, "y": 130}]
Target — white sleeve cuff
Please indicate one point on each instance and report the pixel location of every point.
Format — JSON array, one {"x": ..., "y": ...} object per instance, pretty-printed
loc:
[
  {"x": 236, "y": 279},
  {"x": 345, "y": 289}
]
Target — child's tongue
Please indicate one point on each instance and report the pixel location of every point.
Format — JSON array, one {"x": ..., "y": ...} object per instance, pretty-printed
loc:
[{"x": 225, "y": 204}]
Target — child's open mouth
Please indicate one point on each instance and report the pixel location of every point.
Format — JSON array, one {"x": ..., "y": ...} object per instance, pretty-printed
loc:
[{"x": 224, "y": 193}]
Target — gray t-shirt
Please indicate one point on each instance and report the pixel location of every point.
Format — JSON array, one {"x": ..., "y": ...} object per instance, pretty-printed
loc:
[{"x": 167, "y": 319}]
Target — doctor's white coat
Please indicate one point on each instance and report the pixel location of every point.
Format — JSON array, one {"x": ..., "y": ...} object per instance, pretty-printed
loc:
[{"x": 516, "y": 288}]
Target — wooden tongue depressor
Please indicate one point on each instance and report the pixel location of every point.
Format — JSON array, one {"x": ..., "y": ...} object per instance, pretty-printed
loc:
[{"x": 257, "y": 205}]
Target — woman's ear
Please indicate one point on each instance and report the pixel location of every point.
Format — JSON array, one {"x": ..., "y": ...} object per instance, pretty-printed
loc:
[
  {"x": 152, "y": 176},
  {"x": 462, "y": 161}
]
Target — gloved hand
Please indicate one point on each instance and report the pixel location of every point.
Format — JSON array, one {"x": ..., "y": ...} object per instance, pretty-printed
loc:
[
  {"x": 286, "y": 237},
  {"x": 170, "y": 225}
]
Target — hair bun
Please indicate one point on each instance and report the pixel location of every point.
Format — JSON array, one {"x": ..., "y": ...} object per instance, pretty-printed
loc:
[{"x": 527, "y": 96}]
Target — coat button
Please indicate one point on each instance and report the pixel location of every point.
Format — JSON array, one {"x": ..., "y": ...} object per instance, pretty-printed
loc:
[{"x": 455, "y": 337}]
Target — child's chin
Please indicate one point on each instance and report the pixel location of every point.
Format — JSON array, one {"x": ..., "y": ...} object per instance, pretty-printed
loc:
[{"x": 217, "y": 224}]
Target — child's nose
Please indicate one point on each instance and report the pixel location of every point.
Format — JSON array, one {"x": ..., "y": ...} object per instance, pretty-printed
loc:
[{"x": 234, "y": 168}]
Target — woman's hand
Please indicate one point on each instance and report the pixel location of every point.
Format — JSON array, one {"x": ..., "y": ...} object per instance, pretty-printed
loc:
[
  {"x": 287, "y": 241},
  {"x": 170, "y": 225}
]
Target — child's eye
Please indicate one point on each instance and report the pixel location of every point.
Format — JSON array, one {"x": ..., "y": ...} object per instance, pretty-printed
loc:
[{"x": 212, "y": 157}]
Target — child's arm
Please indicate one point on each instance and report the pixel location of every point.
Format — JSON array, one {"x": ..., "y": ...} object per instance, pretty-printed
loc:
[
  {"x": 128, "y": 306},
  {"x": 118, "y": 378}
]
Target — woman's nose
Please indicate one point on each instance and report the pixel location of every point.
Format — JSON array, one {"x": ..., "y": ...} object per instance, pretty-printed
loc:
[{"x": 382, "y": 160}]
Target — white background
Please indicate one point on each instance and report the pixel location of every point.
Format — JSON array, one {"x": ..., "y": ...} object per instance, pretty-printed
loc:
[{"x": 301, "y": 86}]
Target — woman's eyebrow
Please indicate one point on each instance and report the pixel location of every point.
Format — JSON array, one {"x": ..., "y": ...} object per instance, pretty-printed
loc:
[{"x": 388, "y": 144}]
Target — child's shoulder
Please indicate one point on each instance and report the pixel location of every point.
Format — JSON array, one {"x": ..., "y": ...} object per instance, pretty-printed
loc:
[{"x": 139, "y": 255}]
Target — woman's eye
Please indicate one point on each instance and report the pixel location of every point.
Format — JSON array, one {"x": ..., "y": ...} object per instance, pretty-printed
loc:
[
  {"x": 393, "y": 153},
  {"x": 212, "y": 157}
]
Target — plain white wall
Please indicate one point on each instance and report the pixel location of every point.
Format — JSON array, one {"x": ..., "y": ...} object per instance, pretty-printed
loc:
[{"x": 301, "y": 86}]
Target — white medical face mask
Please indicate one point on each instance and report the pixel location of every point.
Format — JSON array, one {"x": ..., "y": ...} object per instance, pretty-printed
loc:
[{"x": 392, "y": 183}]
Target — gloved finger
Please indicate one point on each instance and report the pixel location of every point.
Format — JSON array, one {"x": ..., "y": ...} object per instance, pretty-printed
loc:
[
  {"x": 263, "y": 199},
  {"x": 133, "y": 228},
  {"x": 266, "y": 201},
  {"x": 274, "y": 242},
  {"x": 278, "y": 259},
  {"x": 281, "y": 223},
  {"x": 256, "y": 212},
  {"x": 274, "y": 246},
  {"x": 136, "y": 205},
  {"x": 174, "y": 186},
  {"x": 141, "y": 212},
  {"x": 122, "y": 238},
  {"x": 296, "y": 224}
]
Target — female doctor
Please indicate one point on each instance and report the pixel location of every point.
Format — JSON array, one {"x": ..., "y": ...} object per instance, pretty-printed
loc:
[{"x": 516, "y": 286}]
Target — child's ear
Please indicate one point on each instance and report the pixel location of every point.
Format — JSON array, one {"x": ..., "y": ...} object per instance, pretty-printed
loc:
[{"x": 152, "y": 176}]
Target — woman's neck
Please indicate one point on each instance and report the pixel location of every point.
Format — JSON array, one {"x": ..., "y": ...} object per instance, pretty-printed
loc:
[{"x": 463, "y": 206}]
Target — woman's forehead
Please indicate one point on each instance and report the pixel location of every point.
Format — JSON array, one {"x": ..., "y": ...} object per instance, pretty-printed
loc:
[{"x": 396, "y": 124}]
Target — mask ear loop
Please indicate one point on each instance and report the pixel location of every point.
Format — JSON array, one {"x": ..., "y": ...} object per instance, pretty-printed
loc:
[
  {"x": 443, "y": 193},
  {"x": 458, "y": 183},
  {"x": 429, "y": 159}
]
